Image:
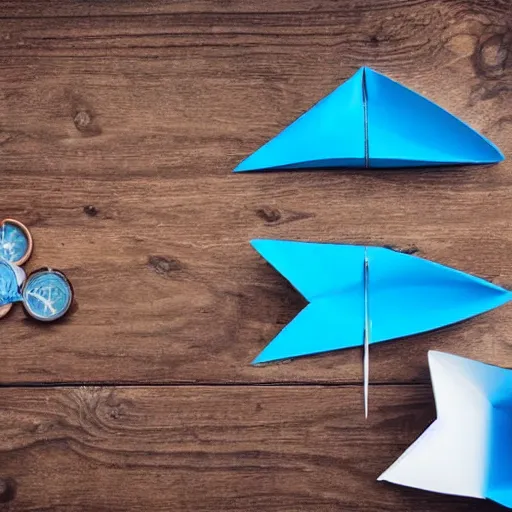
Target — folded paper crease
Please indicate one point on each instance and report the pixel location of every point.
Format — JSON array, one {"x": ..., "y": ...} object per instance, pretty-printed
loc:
[
  {"x": 407, "y": 295},
  {"x": 373, "y": 121},
  {"x": 467, "y": 450}
]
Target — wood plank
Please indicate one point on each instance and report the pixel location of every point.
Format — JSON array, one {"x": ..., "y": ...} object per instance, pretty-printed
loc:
[
  {"x": 67, "y": 8},
  {"x": 117, "y": 138},
  {"x": 167, "y": 290},
  {"x": 279, "y": 449}
]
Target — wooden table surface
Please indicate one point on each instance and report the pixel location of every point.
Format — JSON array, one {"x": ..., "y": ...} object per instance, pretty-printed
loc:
[{"x": 120, "y": 123}]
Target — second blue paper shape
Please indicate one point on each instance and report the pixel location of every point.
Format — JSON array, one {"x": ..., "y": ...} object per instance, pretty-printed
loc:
[{"x": 406, "y": 295}]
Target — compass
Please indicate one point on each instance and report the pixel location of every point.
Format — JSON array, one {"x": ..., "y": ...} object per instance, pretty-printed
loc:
[
  {"x": 15, "y": 242},
  {"x": 46, "y": 294}
]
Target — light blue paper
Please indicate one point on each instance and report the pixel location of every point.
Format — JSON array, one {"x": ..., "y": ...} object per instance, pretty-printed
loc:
[
  {"x": 406, "y": 294},
  {"x": 407, "y": 130},
  {"x": 325, "y": 136},
  {"x": 11, "y": 280},
  {"x": 372, "y": 121},
  {"x": 466, "y": 451}
]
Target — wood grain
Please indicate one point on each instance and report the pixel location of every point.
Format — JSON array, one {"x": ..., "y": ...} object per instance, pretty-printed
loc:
[
  {"x": 120, "y": 123},
  {"x": 281, "y": 449}
]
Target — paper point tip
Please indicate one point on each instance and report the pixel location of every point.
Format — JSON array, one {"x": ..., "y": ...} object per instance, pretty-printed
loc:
[
  {"x": 258, "y": 360},
  {"x": 242, "y": 167},
  {"x": 255, "y": 243},
  {"x": 433, "y": 354}
]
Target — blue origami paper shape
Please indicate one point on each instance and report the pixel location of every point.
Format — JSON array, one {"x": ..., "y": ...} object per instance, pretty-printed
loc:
[
  {"x": 467, "y": 451},
  {"x": 371, "y": 121},
  {"x": 11, "y": 281},
  {"x": 406, "y": 295}
]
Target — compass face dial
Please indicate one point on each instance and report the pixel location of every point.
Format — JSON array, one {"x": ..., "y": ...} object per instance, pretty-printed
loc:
[
  {"x": 47, "y": 295},
  {"x": 15, "y": 242}
]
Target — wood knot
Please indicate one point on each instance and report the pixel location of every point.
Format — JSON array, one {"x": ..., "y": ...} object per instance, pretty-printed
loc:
[
  {"x": 43, "y": 428},
  {"x": 268, "y": 214},
  {"x": 86, "y": 123},
  {"x": 164, "y": 266},
  {"x": 7, "y": 489},
  {"x": 404, "y": 250},
  {"x": 115, "y": 413},
  {"x": 91, "y": 210},
  {"x": 492, "y": 55},
  {"x": 5, "y": 137},
  {"x": 275, "y": 217},
  {"x": 82, "y": 120},
  {"x": 374, "y": 40}
]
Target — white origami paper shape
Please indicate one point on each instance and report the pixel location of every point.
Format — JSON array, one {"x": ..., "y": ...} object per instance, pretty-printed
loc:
[{"x": 467, "y": 451}]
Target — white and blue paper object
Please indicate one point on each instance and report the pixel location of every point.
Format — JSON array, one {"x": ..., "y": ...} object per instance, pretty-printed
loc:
[
  {"x": 371, "y": 121},
  {"x": 467, "y": 451},
  {"x": 406, "y": 295}
]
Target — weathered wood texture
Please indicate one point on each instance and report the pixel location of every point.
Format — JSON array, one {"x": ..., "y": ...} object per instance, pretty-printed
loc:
[
  {"x": 277, "y": 449},
  {"x": 120, "y": 122}
]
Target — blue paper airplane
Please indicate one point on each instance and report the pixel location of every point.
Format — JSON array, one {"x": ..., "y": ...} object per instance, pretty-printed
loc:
[
  {"x": 405, "y": 295},
  {"x": 467, "y": 450},
  {"x": 371, "y": 121}
]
